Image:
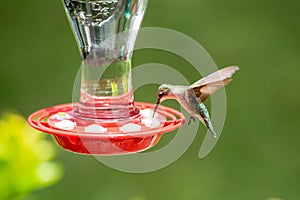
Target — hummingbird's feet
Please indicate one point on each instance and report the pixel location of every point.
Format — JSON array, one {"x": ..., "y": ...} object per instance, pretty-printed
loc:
[{"x": 191, "y": 118}]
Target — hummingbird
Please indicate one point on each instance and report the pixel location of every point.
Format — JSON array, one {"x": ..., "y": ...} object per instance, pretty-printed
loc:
[{"x": 191, "y": 97}]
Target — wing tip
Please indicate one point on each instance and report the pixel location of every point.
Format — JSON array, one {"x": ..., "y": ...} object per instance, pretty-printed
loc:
[
  {"x": 230, "y": 71},
  {"x": 234, "y": 68}
]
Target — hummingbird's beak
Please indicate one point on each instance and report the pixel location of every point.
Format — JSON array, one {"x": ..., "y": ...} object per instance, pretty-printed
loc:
[{"x": 157, "y": 104}]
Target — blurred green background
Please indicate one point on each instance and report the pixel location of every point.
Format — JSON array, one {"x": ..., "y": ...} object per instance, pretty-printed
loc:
[{"x": 257, "y": 156}]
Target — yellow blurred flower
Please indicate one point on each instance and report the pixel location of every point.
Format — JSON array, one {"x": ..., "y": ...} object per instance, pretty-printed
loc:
[{"x": 25, "y": 158}]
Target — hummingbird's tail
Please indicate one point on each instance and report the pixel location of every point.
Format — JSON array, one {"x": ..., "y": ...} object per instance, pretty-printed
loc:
[
  {"x": 205, "y": 119},
  {"x": 211, "y": 129}
]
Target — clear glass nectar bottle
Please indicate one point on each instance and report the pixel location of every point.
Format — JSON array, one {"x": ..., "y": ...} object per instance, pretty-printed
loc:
[{"x": 105, "y": 31}]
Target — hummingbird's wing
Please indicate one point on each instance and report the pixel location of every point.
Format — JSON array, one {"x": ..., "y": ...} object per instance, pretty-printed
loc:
[{"x": 211, "y": 83}]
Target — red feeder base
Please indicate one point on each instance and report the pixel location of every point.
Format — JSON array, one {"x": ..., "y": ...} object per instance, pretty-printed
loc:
[{"x": 106, "y": 137}]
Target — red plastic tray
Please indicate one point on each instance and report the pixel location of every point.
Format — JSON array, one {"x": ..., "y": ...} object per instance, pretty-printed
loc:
[{"x": 111, "y": 142}]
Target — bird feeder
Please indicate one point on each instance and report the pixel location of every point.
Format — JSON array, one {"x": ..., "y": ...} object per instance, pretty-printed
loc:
[{"x": 106, "y": 120}]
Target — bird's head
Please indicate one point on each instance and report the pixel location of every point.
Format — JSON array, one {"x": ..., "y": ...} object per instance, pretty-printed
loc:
[{"x": 163, "y": 92}]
